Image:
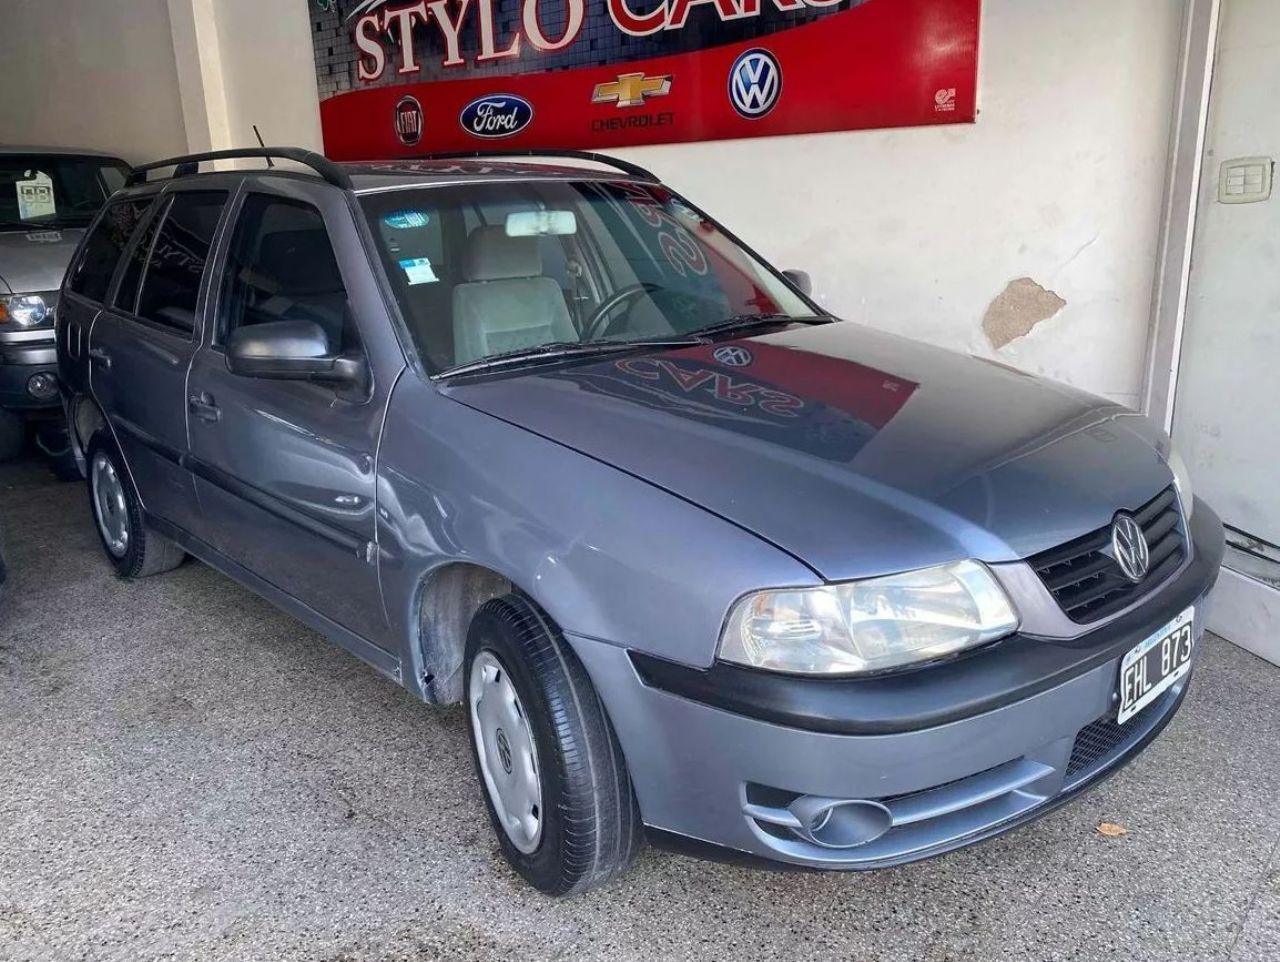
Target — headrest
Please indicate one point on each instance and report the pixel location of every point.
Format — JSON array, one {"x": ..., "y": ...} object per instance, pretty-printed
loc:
[{"x": 493, "y": 256}]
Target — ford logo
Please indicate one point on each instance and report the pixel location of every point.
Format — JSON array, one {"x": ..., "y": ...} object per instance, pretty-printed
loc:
[{"x": 499, "y": 115}]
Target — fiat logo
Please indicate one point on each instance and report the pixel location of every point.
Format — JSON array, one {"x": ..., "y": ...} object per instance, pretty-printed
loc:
[{"x": 408, "y": 121}]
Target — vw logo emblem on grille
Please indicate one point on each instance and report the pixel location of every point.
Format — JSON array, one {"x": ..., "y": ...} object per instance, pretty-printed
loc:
[
  {"x": 755, "y": 83},
  {"x": 409, "y": 121},
  {"x": 1129, "y": 545},
  {"x": 732, "y": 355}
]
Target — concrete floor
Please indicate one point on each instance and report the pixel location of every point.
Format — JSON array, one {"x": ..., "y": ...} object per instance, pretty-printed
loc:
[{"x": 186, "y": 773}]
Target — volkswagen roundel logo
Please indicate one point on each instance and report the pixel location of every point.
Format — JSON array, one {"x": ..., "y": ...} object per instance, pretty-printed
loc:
[
  {"x": 732, "y": 355},
  {"x": 755, "y": 83},
  {"x": 408, "y": 121},
  {"x": 501, "y": 115},
  {"x": 1129, "y": 545}
]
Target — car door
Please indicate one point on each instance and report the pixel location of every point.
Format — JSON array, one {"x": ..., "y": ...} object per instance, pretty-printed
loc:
[
  {"x": 141, "y": 346},
  {"x": 88, "y": 284},
  {"x": 285, "y": 469}
]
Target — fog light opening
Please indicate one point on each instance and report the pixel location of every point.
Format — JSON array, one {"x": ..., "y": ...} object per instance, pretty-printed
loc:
[
  {"x": 840, "y": 823},
  {"x": 42, "y": 386}
]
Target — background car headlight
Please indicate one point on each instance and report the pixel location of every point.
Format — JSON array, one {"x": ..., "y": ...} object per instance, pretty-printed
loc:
[
  {"x": 865, "y": 626},
  {"x": 25, "y": 310},
  {"x": 1181, "y": 480}
]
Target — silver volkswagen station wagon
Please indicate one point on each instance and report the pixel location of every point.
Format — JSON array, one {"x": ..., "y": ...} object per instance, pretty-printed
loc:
[{"x": 705, "y": 565}]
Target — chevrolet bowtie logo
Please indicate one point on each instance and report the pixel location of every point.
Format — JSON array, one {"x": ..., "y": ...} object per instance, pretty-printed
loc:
[{"x": 631, "y": 90}]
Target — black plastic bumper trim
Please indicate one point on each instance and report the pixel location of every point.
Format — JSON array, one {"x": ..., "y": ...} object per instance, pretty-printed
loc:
[{"x": 987, "y": 679}]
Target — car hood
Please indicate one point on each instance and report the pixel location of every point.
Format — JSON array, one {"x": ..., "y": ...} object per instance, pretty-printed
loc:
[
  {"x": 857, "y": 451},
  {"x": 35, "y": 260}
]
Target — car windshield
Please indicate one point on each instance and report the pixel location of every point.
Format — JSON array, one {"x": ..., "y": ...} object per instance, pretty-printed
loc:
[
  {"x": 51, "y": 191},
  {"x": 535, "y": 268}
]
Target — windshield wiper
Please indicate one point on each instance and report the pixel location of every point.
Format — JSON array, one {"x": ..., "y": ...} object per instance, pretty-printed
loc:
[
  {"x": 557, "y": 350},
  {"x": 739, "y": 322}
]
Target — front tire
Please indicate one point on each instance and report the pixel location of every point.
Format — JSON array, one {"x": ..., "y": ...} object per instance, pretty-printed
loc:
[
  {"x": 552, "y": 774},
  {"x": 133, "y": 548}
]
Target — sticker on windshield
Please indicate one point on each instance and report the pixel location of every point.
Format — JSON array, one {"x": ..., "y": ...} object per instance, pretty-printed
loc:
[
  {"x": 407, "y": 219},
  {"x": 35, "y": 197},
  {"x": 418, "y": 270}
]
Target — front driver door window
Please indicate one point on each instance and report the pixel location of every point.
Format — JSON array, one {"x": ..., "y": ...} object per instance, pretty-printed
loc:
[{"x": 285, "y": 468}]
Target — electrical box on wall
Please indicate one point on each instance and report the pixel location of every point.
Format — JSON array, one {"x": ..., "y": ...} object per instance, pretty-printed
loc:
[{"x": 1245, "y": 180}]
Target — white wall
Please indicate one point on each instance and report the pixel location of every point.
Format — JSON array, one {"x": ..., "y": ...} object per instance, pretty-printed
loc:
[
  {"x": 917, "y": 230},
  {"x": 269, "y": 73},
  {"x": 1227, "y": 406},
  {"x": 90, "y": 73}
]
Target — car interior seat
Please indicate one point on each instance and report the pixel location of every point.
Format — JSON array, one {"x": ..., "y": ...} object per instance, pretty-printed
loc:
[{"x": 505, "y": 302}]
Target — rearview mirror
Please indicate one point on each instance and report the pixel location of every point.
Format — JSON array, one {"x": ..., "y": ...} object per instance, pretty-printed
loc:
[
  {"x": 290, "y": 350},
  {"x": 801, "y": 280}
]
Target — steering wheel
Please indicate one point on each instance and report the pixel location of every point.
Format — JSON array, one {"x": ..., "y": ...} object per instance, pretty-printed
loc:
[{"x": 596, "y": 324}]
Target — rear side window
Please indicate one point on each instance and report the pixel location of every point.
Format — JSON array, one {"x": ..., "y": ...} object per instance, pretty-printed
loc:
[
  {"x": 281, "y": 267},
  {"x": 103, "y": 249},
  {"x": 178, "y": 258},
  {"x": 127, "y": 293}
]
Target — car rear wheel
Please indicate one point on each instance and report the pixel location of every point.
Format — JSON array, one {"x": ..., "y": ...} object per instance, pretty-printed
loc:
[
  {"x": 133, "y": 548},
  {"x": 552, "y": 773}
]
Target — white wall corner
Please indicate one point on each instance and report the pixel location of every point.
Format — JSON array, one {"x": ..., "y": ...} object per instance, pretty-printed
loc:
[
  {"x": 1187, "y": 130},
  {"x": 194, "y": 27}
]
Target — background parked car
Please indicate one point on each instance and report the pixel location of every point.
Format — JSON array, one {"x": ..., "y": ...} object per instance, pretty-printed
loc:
[{"x": 48, "y": 196}]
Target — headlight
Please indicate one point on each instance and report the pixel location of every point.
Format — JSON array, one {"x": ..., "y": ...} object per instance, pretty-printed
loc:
[
  {"x": 865, "y": 626},
  {"x": 1181, "y": 480},
  {"x": 25, "y": 310}
]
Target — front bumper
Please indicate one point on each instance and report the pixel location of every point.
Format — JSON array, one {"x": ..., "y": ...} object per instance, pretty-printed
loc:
[
  {"x": 955, "y": 753},
  {"x": 19, "y": 362}
]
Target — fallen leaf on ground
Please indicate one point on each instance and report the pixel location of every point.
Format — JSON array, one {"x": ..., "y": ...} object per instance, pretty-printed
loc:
[{"x": 1112, "y": 830}]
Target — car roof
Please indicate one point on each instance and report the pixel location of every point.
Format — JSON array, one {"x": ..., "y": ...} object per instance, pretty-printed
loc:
[
  {"x": 10, "y": 149},
  {"x": 369, "y": 177}
]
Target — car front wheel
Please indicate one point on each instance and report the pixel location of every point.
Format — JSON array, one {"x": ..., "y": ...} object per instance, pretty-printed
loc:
[{"x": 552, "y": 773}]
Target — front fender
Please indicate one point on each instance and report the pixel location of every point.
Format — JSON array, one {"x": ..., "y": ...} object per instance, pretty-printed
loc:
[{"x": 608, "y": 555}]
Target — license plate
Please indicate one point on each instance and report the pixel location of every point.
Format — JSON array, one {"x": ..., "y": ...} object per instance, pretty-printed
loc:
[{"x": 1151, "y": 667}]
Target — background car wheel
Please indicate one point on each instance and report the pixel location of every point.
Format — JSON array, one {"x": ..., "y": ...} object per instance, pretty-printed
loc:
[
  {"x": 13, "y": 435},
  {"x": 55, "y": 441},
  {"x": 134, "y": 549},
  {"x": 552, "y": 773}
]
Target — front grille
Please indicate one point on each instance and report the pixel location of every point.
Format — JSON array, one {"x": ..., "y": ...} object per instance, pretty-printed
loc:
[
  {"x": 1102, "y": 740},
  {"x": 1086, "y": 581}
]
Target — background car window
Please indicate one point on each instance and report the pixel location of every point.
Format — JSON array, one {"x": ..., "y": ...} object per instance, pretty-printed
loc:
[
  {"x": 126, "y": 298},
  {"x": 106, "y": 244},
  {"x": 281, "y": 267},
  {"x": 178, "y": 258},
  {"x": 55, "y": 190}
]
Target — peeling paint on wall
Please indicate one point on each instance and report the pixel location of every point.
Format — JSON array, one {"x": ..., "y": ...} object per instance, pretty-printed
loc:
[{"x": 1017, "y": 309}]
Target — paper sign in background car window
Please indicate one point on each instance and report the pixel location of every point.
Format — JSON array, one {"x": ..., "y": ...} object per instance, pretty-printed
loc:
[
  {"x": 407, "y": 219},
  {"x": 35, "y": 197},
  {"x": 418, "y": 270}
]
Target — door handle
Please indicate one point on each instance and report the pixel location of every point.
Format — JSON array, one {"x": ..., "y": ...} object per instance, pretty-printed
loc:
[
  {"x": 100, "y": 357},
  {"x": 202, "y": 406}
]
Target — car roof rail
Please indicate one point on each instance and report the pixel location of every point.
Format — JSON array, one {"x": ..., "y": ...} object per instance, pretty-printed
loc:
[
  {"x": 623, "y": 165},
  {"x": 189, "y": 164}
]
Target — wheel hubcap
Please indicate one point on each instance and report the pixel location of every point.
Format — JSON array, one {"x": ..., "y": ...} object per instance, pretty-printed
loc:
[
  {"x": 109, "y": 505},
  {"x": 508, "y": 756}
]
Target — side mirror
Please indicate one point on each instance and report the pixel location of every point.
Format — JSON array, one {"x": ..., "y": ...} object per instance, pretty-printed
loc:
[
  {"x": 290, "y": 350},
  {"x": 801, "y": 280}
]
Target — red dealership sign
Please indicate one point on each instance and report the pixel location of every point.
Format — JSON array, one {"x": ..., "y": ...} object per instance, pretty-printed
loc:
[{"x": 400, "y": 78}]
